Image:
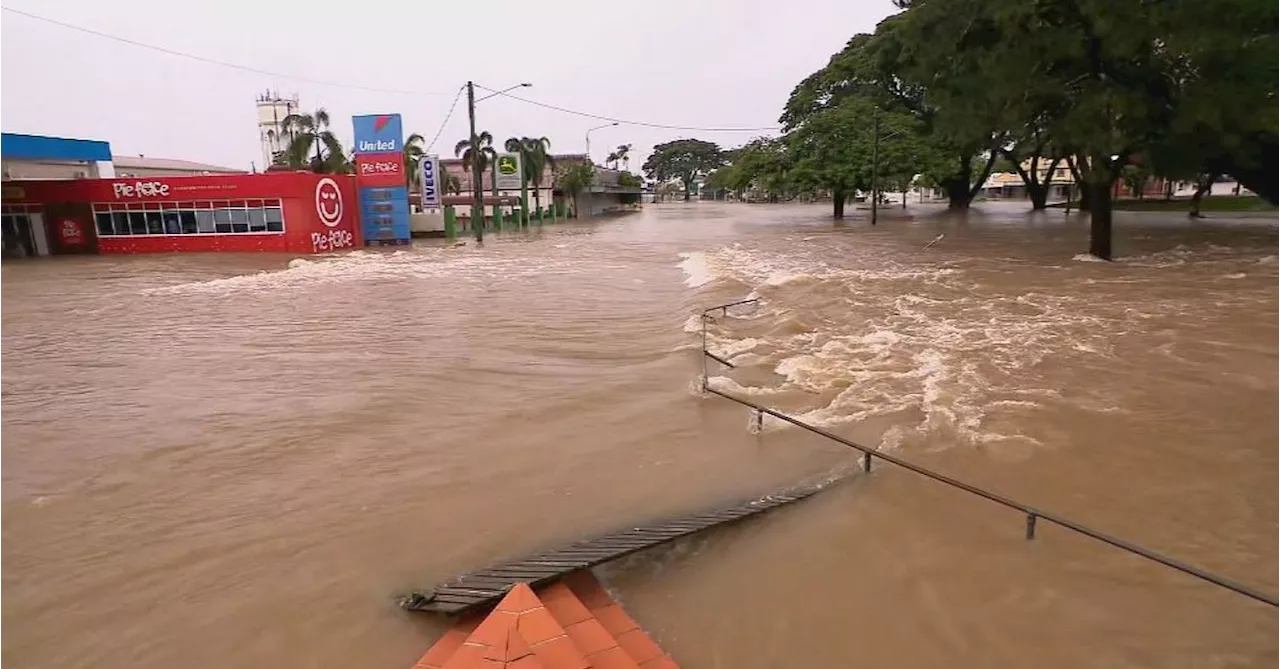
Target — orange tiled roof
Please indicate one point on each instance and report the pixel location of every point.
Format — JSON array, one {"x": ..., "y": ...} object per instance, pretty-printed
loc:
[{"x": 570, "y": 624}]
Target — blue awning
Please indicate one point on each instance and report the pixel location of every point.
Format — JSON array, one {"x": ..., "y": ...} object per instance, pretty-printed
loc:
[{"x": 38, "y": 147}]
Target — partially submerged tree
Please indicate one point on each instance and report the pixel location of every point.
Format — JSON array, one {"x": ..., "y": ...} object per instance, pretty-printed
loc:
[
  {"x": 683, "y": 159},
  {"x": 575, "y": 178}
]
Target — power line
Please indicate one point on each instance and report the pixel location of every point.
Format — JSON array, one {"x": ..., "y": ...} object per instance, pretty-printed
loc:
[
  {"x": 446, "y": 119},
  {"x": 646, "y": 124},
  {"x": 210, "y": 61}
]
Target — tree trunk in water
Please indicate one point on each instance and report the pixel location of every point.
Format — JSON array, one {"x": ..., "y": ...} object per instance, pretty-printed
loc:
[
  {"x": 1086, "y": 198},
  {"x": 957, "y": 194},
  {"x": 1202, "y": 186},
  {"x": 1168, "y": 190},
  {"x": 904, "y": 199},
  {"x": 1039, "y": 196},
  {"x": 837, "y": 203},
  {"x": 1099, "y": 219}
]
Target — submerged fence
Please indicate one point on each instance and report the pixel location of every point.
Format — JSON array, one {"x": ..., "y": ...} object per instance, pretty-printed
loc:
[{"x": 1032, "y": 514}]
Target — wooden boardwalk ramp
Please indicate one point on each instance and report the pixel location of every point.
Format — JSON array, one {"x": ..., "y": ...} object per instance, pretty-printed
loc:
[{"x": 485, "y": 587}]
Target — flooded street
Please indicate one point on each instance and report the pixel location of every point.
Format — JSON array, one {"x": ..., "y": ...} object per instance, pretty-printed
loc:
[{"x": 241, "y": 460}]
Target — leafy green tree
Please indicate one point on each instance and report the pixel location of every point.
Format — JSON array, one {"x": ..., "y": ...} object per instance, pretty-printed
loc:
[
  {"x": 765, "y": 164},
  {"x": 683, "y": 159},
  {"x": 629, "y": 180},
  {"x": 835, "y": 150},
  {"x": 313, "y": 146},
  {"x": 576, "y": 178},
  {"x": 884, "y": 70}
]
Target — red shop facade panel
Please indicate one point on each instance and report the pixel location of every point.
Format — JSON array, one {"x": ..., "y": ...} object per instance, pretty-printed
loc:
[{"x": 294, "y": 212}]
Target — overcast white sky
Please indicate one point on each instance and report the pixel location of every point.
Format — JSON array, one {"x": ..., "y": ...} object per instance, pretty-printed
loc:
[{"x": 690, "y": 62}]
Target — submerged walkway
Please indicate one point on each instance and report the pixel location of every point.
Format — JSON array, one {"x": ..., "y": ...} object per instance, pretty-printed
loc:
[{"x": 485, "y": 587}]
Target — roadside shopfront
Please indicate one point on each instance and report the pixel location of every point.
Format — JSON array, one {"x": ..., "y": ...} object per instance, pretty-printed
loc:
[{"x": 288, "y": 212}]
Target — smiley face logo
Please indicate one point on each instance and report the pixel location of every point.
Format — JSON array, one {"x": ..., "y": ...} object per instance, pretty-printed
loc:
[{"x": 329, "y": 202}]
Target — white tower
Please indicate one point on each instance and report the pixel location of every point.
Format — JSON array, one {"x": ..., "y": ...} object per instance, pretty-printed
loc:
[{"x": 272, "y": 111}]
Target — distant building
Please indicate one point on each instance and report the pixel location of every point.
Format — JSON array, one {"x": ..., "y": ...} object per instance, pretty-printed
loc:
[
  {"x": 273, "y": 109},
  {"x": 41, "y": 157},
  {"x": 604, "y": 195},
  {"x": 1009, "y": 185},
  {"x": 142, "y": 166}
]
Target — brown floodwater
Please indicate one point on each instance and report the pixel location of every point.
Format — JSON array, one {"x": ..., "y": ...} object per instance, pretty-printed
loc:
[{"x": 241, "y": 460}]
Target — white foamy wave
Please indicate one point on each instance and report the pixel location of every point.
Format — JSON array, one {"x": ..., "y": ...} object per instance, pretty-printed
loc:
[
  {"x": 727, "y": 385},
  {"x": 732, "y": 348},
  {"x": 453, "y": 264},
  {"x": 696, "y": 270},
  {"x": 1086, "y": 257}
]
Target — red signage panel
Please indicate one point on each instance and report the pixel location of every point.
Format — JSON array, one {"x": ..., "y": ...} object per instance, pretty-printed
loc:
[{"x": 380, "y": 169}]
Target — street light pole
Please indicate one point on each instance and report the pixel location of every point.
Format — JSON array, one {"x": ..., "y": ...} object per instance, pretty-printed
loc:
[
  {"x": 607, "y": 125},
  {"x": 875, "y": 163},
  {"x": 477, "y": 195}
]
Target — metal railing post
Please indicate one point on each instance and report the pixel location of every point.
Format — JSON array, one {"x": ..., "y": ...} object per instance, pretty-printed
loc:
[
  {"x": 866, "y": 462},
  {"x": 1031, "y": 526}
]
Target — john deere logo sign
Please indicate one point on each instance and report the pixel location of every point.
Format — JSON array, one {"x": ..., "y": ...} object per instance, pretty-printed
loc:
[{"x": 508, "y": 171}]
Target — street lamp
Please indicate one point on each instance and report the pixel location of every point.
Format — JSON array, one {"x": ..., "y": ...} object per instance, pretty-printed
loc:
[
  {"x": 477, "y": 192},
  {"x": 589, "y": 131}
]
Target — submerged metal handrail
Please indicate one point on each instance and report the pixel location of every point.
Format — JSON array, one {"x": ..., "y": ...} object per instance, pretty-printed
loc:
[
  {"x": 1032, "y": 514},
  {"x": 706, "y": 315}
]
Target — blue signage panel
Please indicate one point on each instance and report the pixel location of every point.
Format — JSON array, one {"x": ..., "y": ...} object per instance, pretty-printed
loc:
[
  {"x": 384, "y": 208},
  {"x": 378, "y": 133},
  {"x": 384, "y": 214}
]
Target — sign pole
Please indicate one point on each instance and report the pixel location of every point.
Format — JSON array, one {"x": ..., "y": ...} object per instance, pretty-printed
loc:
[{"x": 477, "y": 191}]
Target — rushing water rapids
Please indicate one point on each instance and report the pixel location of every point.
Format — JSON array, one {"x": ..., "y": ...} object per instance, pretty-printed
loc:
[{"x": 238, "y": 461}]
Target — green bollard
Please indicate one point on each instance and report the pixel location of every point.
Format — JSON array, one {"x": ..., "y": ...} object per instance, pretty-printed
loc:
[
  {"x": 450, "y": 222},
  {"x": 553, "y": 212},
  {"x": 497, "y": 217}
]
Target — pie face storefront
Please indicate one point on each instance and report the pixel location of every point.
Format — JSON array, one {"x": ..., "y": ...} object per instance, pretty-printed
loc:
[{"x": 293, "y": 212}]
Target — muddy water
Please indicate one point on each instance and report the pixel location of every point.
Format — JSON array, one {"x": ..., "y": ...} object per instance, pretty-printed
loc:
[{"x": 239, "y": 461}]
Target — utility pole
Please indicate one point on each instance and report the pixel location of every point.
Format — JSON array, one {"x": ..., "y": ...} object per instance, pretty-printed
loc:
[
  {"x": 477, "y": 191},
  {"x": 875, "y": 163}
]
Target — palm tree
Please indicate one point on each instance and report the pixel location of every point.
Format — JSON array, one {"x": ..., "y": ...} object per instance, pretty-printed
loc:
[
  {"x": 610, "y": 159},
  {"x": 622, "y": 156},
  {"x": 413, "y": 150},
  {"x": 534, "y": 159},
  {"x": 308, "y": 133},
  {"x": 463, "y": 149}
]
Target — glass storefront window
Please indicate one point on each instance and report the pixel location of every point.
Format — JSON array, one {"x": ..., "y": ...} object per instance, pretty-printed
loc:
[{"x": 190, "y": 218}]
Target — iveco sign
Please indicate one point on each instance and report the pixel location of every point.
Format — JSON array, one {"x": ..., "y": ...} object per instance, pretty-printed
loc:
[{"x": 429, "y": 171}]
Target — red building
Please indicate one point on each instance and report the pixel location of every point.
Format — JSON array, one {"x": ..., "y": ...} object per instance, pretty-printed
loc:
[{"x": 293, "y": 212}]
